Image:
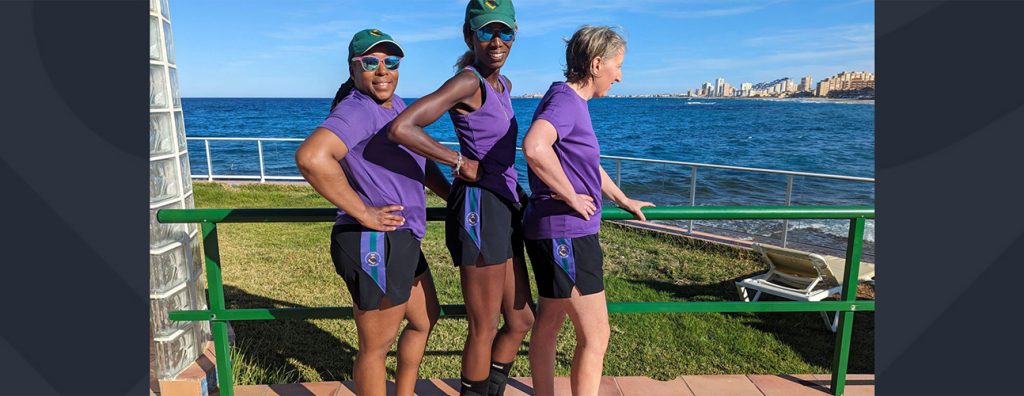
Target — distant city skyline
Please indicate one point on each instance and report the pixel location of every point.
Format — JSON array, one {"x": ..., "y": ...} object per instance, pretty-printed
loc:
[
  {"x": 786, "y": 86},
  {"x": 296, "y": 49}
]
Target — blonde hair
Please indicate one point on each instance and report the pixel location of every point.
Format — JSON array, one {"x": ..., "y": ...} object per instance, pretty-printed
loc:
[{"x": 588, "y": 43}]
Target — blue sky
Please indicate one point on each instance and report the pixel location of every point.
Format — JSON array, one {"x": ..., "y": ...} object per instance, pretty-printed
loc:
[{"x": 297, "y": 48}]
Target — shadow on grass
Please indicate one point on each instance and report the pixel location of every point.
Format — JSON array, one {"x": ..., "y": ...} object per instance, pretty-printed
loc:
[
  {"x": 804, "y": 332},
  {"x": 302, "y": 348},
  {"x": 288, "y": 344},
  {"x": 282, "y": 351}
]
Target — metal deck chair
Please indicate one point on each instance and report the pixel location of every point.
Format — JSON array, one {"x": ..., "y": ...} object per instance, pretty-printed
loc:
[{"x": 801, "y": 276}]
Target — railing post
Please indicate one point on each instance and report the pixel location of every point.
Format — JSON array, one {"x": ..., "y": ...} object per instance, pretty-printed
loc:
[
  {"x": 693, "y": 194},
  {"x": 209, "y": 162},
  {"x": 844, "y": 330},
  {"x": 618, "y": 173},
  {"x": 263, "y": 176},
  {"x": 789, "y": 200},
  {"x": 215, "y": 290}
]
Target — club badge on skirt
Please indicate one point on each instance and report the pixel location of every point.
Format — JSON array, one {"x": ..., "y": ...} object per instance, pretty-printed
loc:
[
  {"x": 471, "y": 218},
  {"x": 562, "y": 248},
  {"x": 372, "y": 259}
]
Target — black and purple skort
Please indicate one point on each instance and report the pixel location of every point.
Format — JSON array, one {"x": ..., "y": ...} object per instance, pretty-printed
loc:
[
  {"x": 482, "y": 227},
  {"x": 559, "y": 264},
  {"x": 376, "y": 264}
]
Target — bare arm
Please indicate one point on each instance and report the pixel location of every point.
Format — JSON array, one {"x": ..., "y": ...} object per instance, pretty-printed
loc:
[
  {"x": 317, "y": 159},
  {"x": 612, "y": 191},
  {"x": 537, "y": 148},
  {"x": 435, "y": 181},
  {"x": 407, "y": 128}
]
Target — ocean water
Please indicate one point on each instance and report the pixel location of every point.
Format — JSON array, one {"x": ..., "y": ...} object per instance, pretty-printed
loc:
[{"x": 797, "y": 135}]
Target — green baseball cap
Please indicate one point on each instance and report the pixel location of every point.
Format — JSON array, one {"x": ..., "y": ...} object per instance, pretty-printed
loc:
[
  {"x": 479, "y": 13},
  {"x": 365, "y": 39}
]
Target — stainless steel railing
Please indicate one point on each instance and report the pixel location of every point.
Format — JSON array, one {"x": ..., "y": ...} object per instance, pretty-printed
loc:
[
  {"x": 263, "y": 177},
  {"x": 693, "y": 179}
]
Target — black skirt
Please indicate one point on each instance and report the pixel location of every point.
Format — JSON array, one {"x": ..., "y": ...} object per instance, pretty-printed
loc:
[
  {"x": 375, "y": 264},
  {"x": 483, "y": 224},
  {"x": 560, "y": 264}
]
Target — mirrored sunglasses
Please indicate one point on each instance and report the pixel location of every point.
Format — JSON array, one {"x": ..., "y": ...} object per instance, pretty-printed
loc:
[{"x": 370, "y": 62}]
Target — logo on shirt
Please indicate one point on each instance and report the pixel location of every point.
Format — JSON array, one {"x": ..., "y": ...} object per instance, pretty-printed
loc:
[
  {"x": 472, "y": 218},
  {"x": 373, "y": 259},
  {"x": 563, "y": 250}
]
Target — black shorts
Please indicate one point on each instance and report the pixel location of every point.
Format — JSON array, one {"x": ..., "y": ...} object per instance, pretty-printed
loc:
[
  {"x": 482, "y": 223},
  {"x": 356, "y": 252},
  {"x": 561, "y": 263}
]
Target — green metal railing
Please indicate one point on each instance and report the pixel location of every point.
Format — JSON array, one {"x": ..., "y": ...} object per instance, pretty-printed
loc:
[{"x": 847, "y": 304}]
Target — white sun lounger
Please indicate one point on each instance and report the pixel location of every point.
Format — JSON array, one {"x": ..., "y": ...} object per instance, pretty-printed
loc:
[{"x": 800, "y": 276}]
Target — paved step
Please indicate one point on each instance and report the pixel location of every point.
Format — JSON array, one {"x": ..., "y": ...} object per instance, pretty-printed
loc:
[{"x": 687, "y": 385}]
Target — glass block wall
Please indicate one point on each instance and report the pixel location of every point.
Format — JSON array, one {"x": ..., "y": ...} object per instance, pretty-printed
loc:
[{"x": 175, "y": 258}]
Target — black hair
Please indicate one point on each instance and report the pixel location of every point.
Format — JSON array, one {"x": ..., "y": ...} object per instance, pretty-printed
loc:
[
  {"x": 343, "y": 91},
  {"x": 467, "y": 57}
]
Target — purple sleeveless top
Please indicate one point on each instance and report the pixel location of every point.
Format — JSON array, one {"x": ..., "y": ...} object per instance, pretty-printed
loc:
[{"x": 489, "y": 135}]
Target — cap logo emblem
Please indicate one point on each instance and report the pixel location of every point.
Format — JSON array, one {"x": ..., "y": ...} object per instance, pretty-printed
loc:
[
  {"x": 375, "y": 32},
  {"x": 491, "y": 4}
]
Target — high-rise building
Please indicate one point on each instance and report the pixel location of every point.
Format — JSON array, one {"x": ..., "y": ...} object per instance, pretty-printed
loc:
[
  {"x": 706, "y": 89},
  {"x": 790, "y": 86},
  {"x": 745, "y": 89},
  {"x": 846, "y": 81},
  {"x": 823, "y": 87},
  {"x": 806, "y": 84},
  {"x": 719, "y": 86}
]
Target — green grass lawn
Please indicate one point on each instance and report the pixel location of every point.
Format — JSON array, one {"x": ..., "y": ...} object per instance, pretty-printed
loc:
[{"x": 288, "y": 265}]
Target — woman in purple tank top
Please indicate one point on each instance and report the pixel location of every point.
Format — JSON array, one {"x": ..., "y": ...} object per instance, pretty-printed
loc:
[
  {"x": 484, "y": 224},
  {"x": 377, "y": 186}
]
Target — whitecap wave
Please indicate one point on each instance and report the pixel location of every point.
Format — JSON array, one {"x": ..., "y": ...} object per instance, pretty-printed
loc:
[{"x": 835, "y": 228}]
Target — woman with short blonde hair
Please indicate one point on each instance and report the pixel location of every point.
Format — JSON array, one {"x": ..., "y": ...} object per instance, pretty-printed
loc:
[{"x": 563, "y": 216}]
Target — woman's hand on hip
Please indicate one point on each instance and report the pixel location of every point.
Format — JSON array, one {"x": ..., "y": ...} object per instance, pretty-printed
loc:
[
  {"x": 470, "y": 170},
  {"x": 381, "y": 218},
  {"x": 581, "y": 203}
]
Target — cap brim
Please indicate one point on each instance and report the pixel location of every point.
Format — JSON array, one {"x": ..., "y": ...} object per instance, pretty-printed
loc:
[
  {"x": 400, "y": 50},
  {"x": 484, "y": 20}
]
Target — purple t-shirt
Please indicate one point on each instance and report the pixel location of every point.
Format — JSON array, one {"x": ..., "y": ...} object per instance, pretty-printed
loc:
[
  {"x": 579, "y": 153},
  {"x": 380, "y": 171},
  {"x": 489, "y": 135}
]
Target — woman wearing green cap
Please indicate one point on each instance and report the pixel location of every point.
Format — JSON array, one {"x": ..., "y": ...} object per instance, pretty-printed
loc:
[
  {"x": 377, "y": 186},
  {"x": 484, "y": 224}
]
